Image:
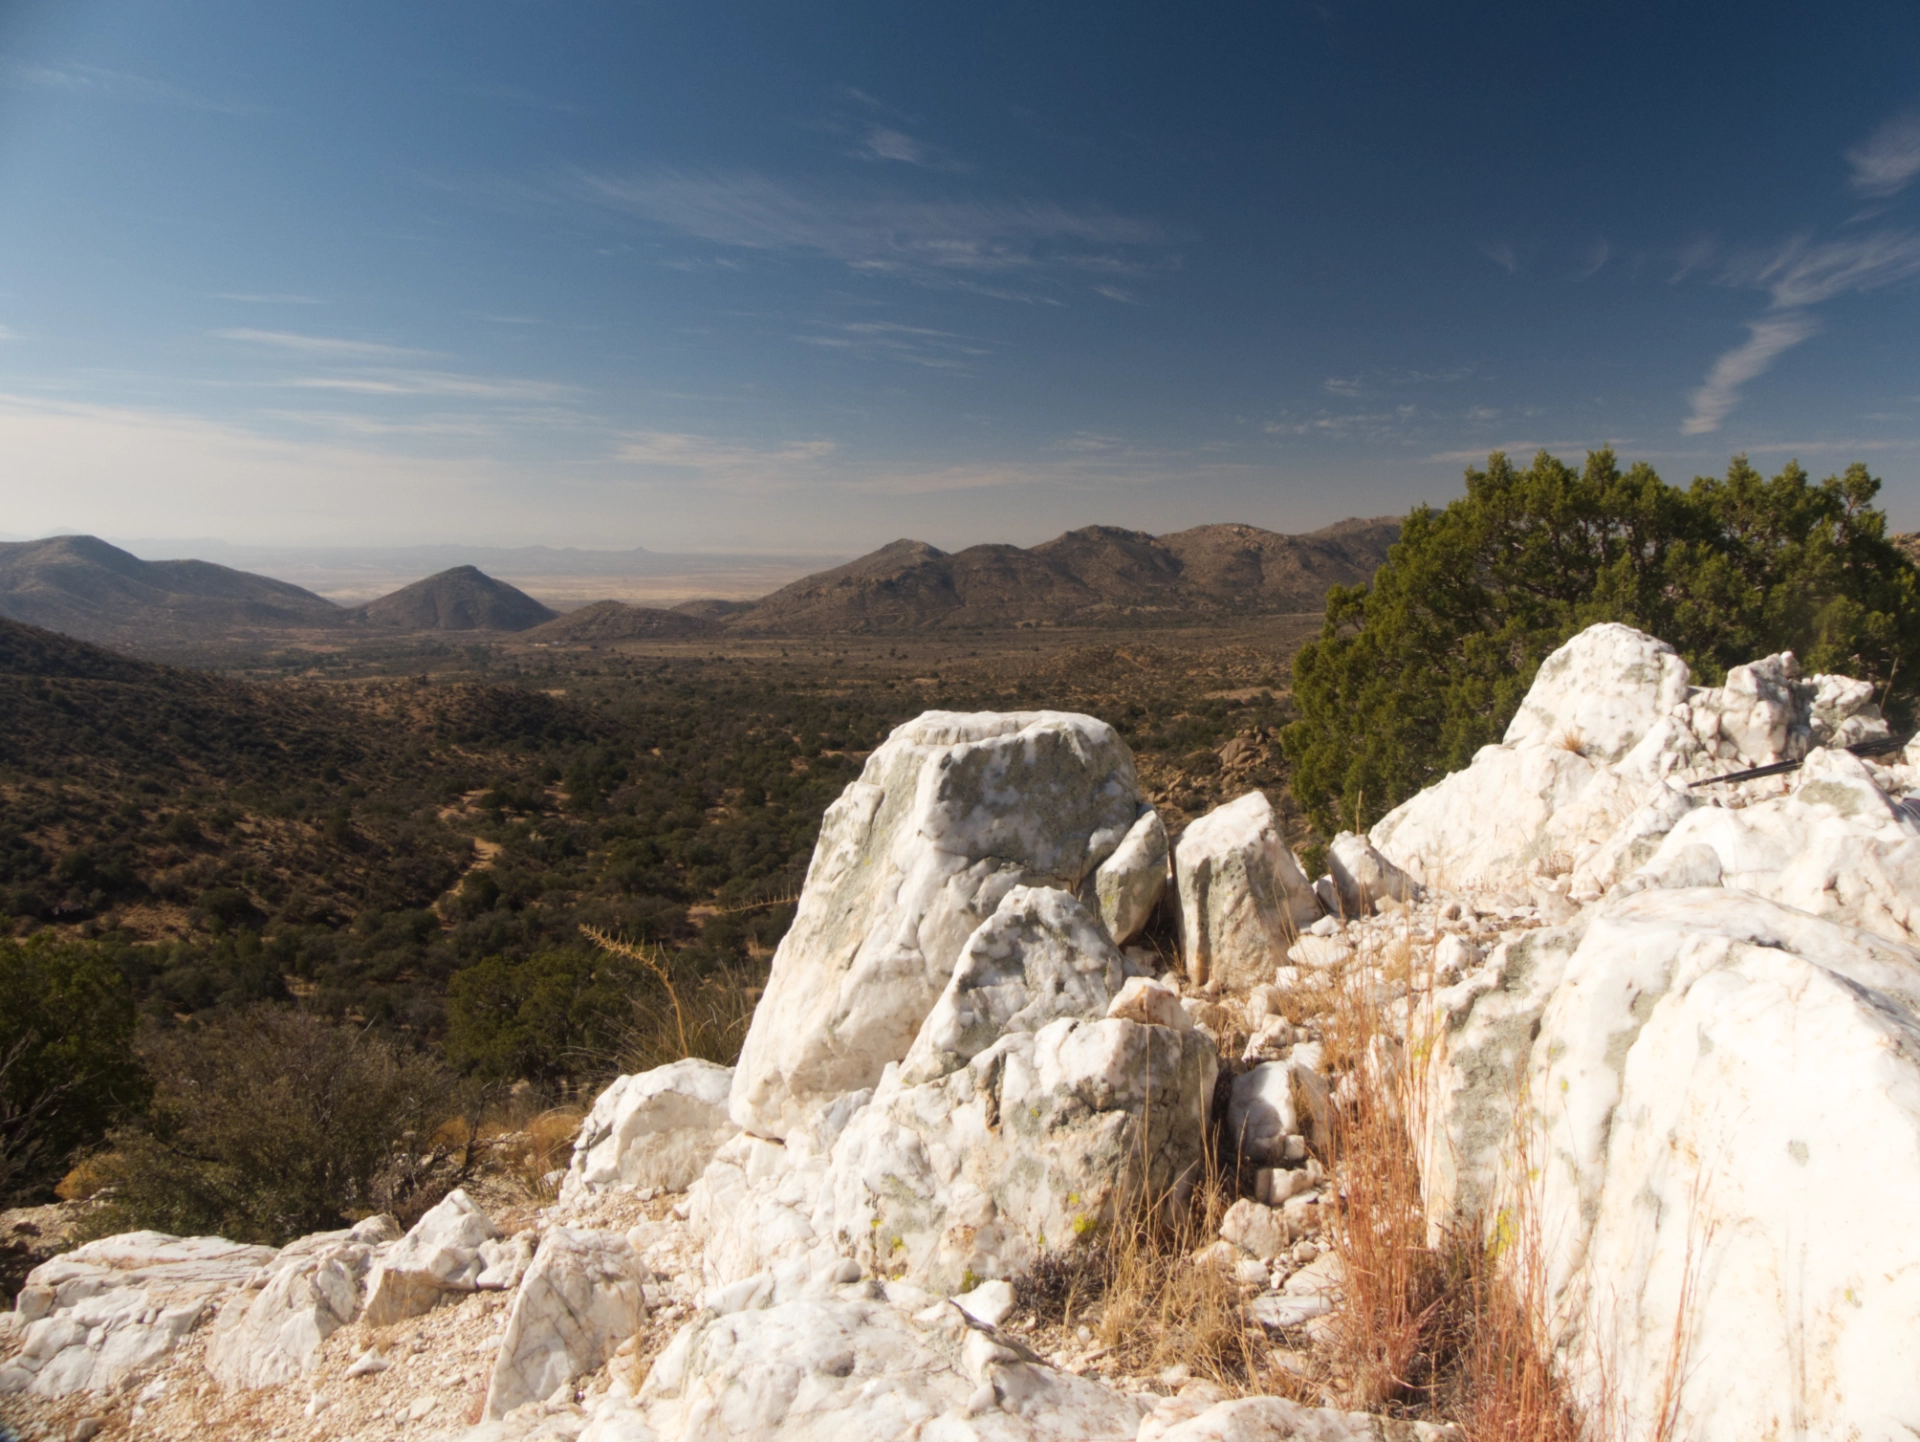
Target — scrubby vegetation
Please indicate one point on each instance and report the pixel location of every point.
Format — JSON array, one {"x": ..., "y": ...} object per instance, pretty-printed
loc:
[
  {"x": 1415, "y": 672},
  {"x": 273, "y": 1122}
]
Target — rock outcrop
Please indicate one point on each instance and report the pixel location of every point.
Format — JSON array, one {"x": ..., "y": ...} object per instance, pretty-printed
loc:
[
  {"x": 1716, "y": 1054},
  {"x": 108, "y": 1312},
  {"x": 438, "y": 1257},
  {"x": 949, "y": 814},
  {"x": 1597, "y": 773},
  {"x": 1663, "y": 1040}
]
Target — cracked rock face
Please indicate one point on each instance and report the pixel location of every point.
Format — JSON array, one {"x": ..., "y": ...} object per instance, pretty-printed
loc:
[
  {"x": 1724, "y": 1123},
  {"x": 272, "y": 1333},
  {"x": 949, "y": 814},
  {"x": 582, "y": 1297}
]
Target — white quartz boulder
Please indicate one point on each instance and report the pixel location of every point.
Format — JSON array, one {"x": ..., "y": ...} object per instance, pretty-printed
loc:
[
  {"x": 1722, "y": 1145},
  {"x": 439, "y": 1257},
  {"x": 1242, "y": 896},
  {"x": 1363, "y": 878},
  {"x": 582, "y": 1297},
  {"x": 949, "y": 814},
  {"x": 1039, "y": 957},
  {"x": 1835, "y": 845},
  {"x": 108, "y": 1312},
  {"x": 272, "y": 1330},
  {"x": 1599, "y": 694},
  {"x": 1603, "y": 760},
  {"x": 1033, "y": 1147},
  {"x": 1128, "y": 885},
  {"x": 832, "y": 1369},
  {"x": 657, "y": 1129}
]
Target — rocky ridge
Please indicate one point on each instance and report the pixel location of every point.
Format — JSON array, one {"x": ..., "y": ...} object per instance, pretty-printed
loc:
[{"x": 964, "y": 1065}]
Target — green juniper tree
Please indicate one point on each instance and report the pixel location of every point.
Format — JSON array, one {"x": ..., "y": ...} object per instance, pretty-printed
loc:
[{"x": 1416, "y": 671}]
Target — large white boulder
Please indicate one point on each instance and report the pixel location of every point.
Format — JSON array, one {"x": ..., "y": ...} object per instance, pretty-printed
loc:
[
  {"x": 833, "y": 1368},
  {"x": 657, "y": 1129},
  {"x": 583, "y": 1296},
  {"x": 949, "y": 814},
  {"x": 439, "y": 1257},
  {"x": 1363, "y": 878},
  {"x": 108, "y": 1312},
  {"x": 272, "y": 1331},
  {"x": 1720, "y": 1149},
  {"x": 1128, "y": 885},
  {"x": 1242, "y": 896},
  {"x": 1599, "y": 694}
]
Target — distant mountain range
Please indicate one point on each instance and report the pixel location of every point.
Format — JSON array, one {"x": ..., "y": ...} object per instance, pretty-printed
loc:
[
  {"x": 84, "y": 587},
  {"x": 1086, "y": 576}
]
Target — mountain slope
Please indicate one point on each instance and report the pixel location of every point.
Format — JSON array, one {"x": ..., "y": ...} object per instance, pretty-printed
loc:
[
  {"x": 606, "y": 621},
  {"x": 84, "y": 587},
  {"x": 461, "y": 599},
  {"x": 1082, "y": 577}
]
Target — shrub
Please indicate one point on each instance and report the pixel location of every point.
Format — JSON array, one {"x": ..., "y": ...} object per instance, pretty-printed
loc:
[
  {"x": 66, "y": 1065},
  {"x": 273, "y": 1123},
  {"x": 1415, "y": 672}
]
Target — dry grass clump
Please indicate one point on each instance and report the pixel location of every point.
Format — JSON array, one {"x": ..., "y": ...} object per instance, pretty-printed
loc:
[
  {"x": 1160, "y": 1309},
  {"x": 533, "y": 1150},
  {"x": 1455, "y": 1331}
]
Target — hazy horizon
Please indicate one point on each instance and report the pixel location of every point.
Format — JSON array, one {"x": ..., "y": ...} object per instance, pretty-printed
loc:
[{"x": 799, "y": 280}]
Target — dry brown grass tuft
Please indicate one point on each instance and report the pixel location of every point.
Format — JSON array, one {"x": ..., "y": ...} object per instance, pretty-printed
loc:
[{"x": 1457, "y": 1330}]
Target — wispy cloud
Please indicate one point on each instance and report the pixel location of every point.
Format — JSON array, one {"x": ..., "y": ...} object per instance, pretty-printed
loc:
[
  {"x": 1597, "y": 256},
  {"x": 1889, "y": 159},
  {"x": 393, "y": 381},
  {"x": 1503, "y": 256},
  {"x": 886, "y": 142},
  {"x": 8, "y": 333},
  {"x": 877, "y": 231},
  {"x": 91, "y": 80},
  {"x": 1720, "y": 392},
  {"x": 251, "y": 298},
  {"x": 1348, "y": 386},
  {"x": 318, "y": 345},
  {"x": 915, "y": 344},
  {"x": 1802, "y": 274},
  {"x": 1113, "y": 292},
  {"x": 1797, "y": 277}
]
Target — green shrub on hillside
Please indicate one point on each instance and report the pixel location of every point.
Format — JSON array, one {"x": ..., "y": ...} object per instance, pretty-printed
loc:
[
  {"x": 67, "y": 1070},
  {"x": 272, "y": 1123},
  {"x": 1415, "y": 672}
]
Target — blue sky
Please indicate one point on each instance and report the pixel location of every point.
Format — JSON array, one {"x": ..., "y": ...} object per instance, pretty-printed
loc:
[{"x": 785, "y": 275}]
